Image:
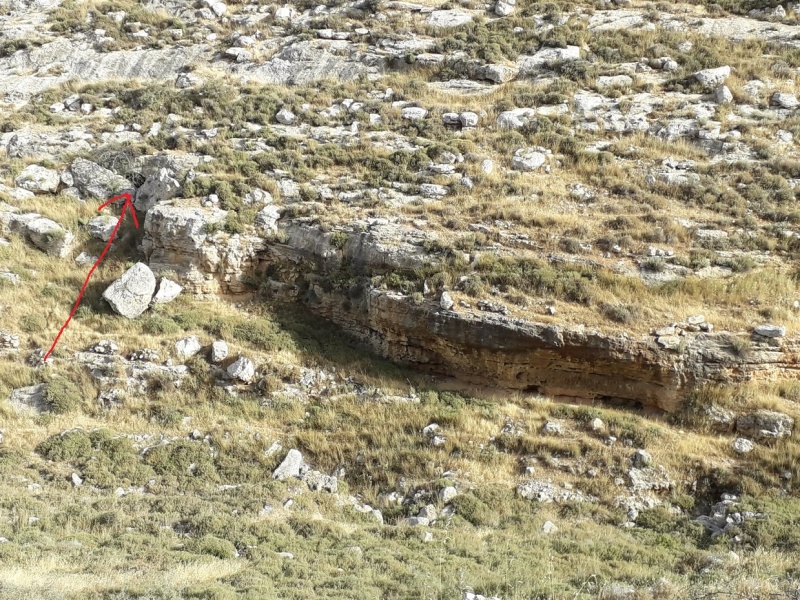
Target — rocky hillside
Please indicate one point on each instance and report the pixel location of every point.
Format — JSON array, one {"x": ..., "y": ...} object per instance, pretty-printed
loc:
[{"x": 420, "y": 295}]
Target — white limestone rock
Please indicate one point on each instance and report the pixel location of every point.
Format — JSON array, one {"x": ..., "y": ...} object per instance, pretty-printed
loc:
[
  {"x": 130, "y": 295},
  {"x": 102, "y": 226},
  {"x": 49, "y": 236},
  {"x": 168, "y": 290},
  {"x": 219, "y": 351},
  {"x": 290, "y": 467},
  {"x": 712, "y": 78},
  {"x": 37, "y": 179},
  {"x": 528, "y": 159},
  {"x": 445, "y": 19},
  {"x": 187, "y": 347},
  {"x": 243, "y": 369}
]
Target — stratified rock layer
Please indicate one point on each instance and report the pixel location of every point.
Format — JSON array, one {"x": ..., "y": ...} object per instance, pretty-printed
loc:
[{"x": 572, "y": 362}]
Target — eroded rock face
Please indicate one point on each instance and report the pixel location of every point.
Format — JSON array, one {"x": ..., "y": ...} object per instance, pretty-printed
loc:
[
  {"x": 157, "y": 188},
  {"x": 177, "y": 238},
  {"x": 482, "y": 347},
  {"x": 130, "y": 295}
]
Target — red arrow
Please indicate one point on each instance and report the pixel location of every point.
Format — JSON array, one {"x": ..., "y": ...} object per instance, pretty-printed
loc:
[{"x": 126, "y": 205}]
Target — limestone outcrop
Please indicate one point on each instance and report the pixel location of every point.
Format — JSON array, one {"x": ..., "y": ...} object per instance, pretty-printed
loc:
[{"x": 573, "y": 362}]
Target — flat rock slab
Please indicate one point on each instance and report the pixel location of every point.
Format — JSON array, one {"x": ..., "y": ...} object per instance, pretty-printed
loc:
[{"x": 444, "y": 19}]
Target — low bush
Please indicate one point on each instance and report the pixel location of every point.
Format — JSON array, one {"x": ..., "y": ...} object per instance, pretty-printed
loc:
[{"x": 62, "y": 395}]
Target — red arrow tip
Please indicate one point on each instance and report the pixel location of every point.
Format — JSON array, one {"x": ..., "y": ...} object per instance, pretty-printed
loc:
[{"x": 125, "y": 195}]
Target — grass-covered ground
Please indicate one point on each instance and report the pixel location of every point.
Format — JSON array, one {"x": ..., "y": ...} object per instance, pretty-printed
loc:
[{"x": 176, "y": 497}]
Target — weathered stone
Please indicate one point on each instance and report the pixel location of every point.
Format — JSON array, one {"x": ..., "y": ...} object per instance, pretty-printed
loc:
[
  {"x": 432, "y": 190},
  {"x": 497, "y": 73},
  {"x": 447, "y": 494},
  {"x": 38, "y": 179},
  {"x": 158, "y": 187},
  {"x": 546, "y": 492},
  {"x": 168, "y": 290},
  {"x": 106, "y": 347},
  {"x": 49, "y": 236},
  {"x": 549, "y": 528},
  {"x": 97, "y": 182},
  {"x": 415, "y": 522},
  {"x": 649, "y": 478},
  {"x": 712, "y": 78},
  {"x": 765, "y": 425},
  {"x": 188, "y": 80},
  {"x": 723, "y": 95},
  {"x": 504, "y": 8},
  {"x": 468, "y": 119},
  {"x": 285, "y": 116},
  {"x": 770, "y": 331},
  {"x": 317, "y": 482},
  {"x": 719, "y": 419},
  {"x": 742, "y": 446},
  {"x": 515, "y": 118},
  {"x": 427, "y": 512},
  {"x": 614, "y": 81},
  {"x": 187, "y": 347},
  {"x": 242, "y": 369},
  {"x": 552, "y": 428},
  {"x": 267, "y": 218},
  {"x": 219, "y": 351},
  {"x": 782, "y": 100},
  {"x": 413, "y": 113},
  {"x": 8, "y": 341},
  {"x": 546, "y": 56},
  {"x": 528, "y": 159},
  {"x": 28, "y": 399},
  {"x": 444, "y": 19},
  {"x": 130, "y": 295},
  {"x": 446, "y": 302},
  {"x": 290, "y": 467},
  {"x": 102, "y": 226},
  {"x": 642, "y": 458}
]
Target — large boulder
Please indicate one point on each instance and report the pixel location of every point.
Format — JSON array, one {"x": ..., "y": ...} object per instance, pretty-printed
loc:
[
  {"x": 38, "y": 179},
  {"x": 49, "y": 236},
  {"x": 130, "y": 295},
  {"x": 157, "y": 188},
  {"x": 95, "y": 181}
]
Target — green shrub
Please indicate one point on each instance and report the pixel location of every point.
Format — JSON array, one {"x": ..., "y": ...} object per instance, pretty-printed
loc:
[
  {"x": 158, "y": 325},
  {"x": 71, "y": 446},
  {"x": 475, "y": 511},
  {"x": 621, "y": 313},
  {"x": 32, "y": 323},
  {"x": 183, "y": 459},
  {"x": 338, "y": 239},
  {"x": 62, "y": 395},
  {"x": 213, "y": 546}
]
